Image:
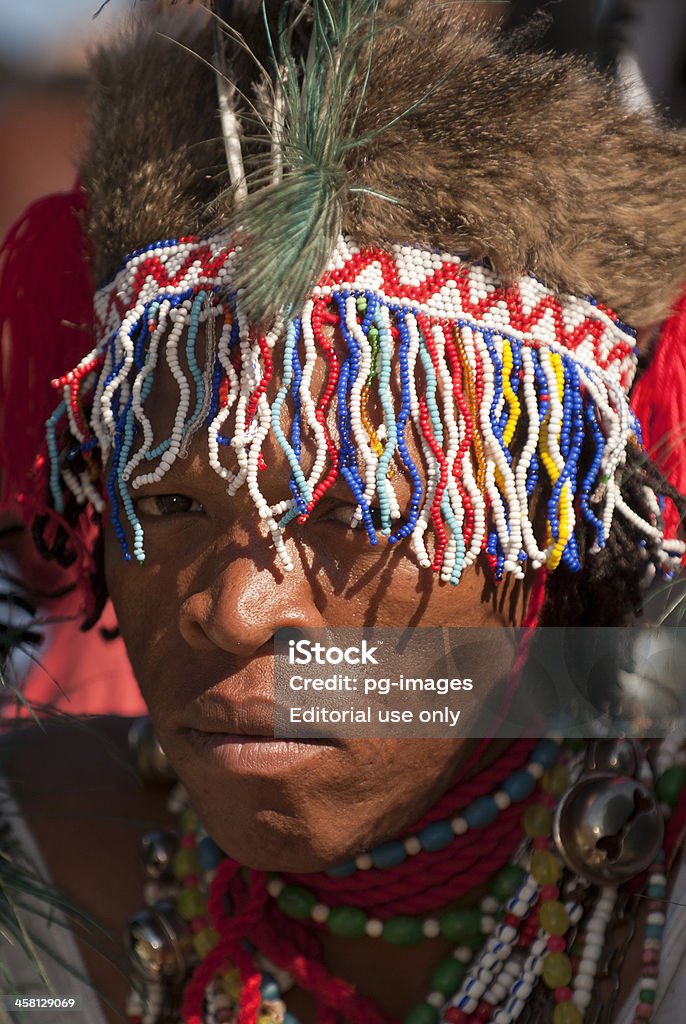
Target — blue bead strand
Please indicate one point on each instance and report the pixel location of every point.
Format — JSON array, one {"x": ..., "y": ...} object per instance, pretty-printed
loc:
[
  {"x": 403, "y": 418},
  {"x": 300, "y": 488},
  {"x": 193, "y": 328}
]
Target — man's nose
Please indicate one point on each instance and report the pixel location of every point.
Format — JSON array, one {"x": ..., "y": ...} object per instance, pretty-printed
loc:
[{"x": 242, "y": 607}]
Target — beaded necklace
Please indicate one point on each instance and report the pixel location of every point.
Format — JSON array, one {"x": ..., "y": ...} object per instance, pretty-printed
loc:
[{"x": 540, "y": 927}]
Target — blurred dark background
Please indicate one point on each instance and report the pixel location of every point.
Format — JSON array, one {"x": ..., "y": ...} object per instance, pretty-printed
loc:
[{"x": 642, "y": 42}]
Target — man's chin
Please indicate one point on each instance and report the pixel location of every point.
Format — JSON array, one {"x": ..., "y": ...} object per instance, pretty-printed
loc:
[{"x": 267, "y": 848}]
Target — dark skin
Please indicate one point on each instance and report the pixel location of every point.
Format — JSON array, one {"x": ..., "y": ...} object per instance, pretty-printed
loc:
[
  {"x": 204, "y": 656},
  {"x": 203, "y": 659}
]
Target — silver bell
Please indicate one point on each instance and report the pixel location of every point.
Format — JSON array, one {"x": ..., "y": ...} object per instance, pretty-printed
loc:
[
  {"x": 147, "y": 755},
  {"x": 608, "y": 828},
  {"x": 157, "y": 940},
  {"x": 621, "y": 756},
  {"x": 158, "y": 850}
]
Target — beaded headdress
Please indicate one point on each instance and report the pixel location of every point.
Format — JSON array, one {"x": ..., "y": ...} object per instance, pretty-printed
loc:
[
  {"x": 466, "y": 364},
  {"x": 478, "y": 365}
]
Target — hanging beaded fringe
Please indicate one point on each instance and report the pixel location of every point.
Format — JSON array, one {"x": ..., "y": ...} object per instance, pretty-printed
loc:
[{"x": 501, "y": 391}]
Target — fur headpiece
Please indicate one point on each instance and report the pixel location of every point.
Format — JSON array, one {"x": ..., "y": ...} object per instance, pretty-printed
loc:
[{"x": 445, "y": 139}]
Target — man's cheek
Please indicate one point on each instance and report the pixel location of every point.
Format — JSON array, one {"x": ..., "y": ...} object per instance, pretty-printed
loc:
[
  {"x": 138, "y": 609},
  {"x": 153, "y": 653}
]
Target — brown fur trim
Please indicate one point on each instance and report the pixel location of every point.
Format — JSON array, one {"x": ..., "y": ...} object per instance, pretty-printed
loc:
[
  {"x": 154, "y": 160},
  {"x": 526, "y": 160}
]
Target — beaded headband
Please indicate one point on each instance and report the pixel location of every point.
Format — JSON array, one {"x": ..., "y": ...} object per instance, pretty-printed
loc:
[{"x": 503, "y": 387}]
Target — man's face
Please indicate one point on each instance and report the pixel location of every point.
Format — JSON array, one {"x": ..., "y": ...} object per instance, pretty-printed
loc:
[{"x": 198, "y": 618}]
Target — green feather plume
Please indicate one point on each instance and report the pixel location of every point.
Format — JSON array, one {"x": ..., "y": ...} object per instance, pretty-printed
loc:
[{"x": 288, "y": 228}]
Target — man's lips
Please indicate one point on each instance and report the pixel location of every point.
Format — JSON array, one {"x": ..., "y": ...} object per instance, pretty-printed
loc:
[
  {"x": 250, "y": 754},
  {"x": 238, "y": 737},
  {"x": 250, "y": 718}
]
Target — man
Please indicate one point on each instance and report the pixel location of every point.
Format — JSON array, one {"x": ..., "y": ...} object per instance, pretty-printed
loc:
[{"x": 282, "y": 425}]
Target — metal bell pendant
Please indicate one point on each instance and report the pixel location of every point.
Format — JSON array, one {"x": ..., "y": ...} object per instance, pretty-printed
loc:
[
  {"x": 608, "y": 828},
  {"x": 620, "y": 755},
  {"x": 158, "y": 850},
  {"x": 147, "y": 755},
  {"x": 157, "y": 942}
]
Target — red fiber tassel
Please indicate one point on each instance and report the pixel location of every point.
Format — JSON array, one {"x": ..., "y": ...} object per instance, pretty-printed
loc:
[
  {"x": 46, "y": 324},
  {"x": 659, "y": 401}
]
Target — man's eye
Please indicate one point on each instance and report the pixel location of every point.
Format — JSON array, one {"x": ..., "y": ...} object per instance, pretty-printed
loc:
[
  {"x": 344, "y": 513},
  {"x": 168, "y": 505}
]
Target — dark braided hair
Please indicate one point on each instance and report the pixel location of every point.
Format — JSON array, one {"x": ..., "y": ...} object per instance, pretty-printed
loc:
[
  {"x": 607, "y": 589},
  {"x": 60, "y": 538}
]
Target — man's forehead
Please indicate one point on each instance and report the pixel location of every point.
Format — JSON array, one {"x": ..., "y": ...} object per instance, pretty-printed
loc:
[
  {"x": 165, "y": 392},
  {"x": 162, "y": 405}
]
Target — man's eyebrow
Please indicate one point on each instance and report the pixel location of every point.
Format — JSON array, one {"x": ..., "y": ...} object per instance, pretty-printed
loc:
[
  {"x": 182, "y": 472},
  {"x": 341, "y": 491}
]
